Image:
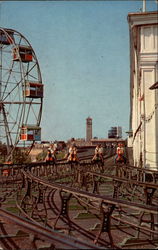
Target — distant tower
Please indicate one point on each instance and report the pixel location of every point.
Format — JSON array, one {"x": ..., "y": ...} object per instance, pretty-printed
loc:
[{"x": 88, "y": 129}]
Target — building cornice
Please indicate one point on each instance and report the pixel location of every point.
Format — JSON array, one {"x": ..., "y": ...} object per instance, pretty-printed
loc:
[
  {"x": 151, "y": 59},
  {"x": 142, "y": 18}
]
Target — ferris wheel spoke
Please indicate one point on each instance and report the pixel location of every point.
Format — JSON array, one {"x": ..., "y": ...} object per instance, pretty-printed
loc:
[
  {"x": 35, "y": 78},
  {"x": 13, "y": 117},
  {"x": 19, "y": 42},
  {"x": 33, "y": 66},
  {"x": 6, "y": 84},
  {"x": 29, "y": 106},
  {"x": 34, "y": 113},
  {"x": 17, "y": 84},
  {"x": 8, "y": 137}
]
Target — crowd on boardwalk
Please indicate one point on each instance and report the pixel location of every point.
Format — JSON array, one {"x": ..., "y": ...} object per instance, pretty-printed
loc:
[{"x": 99, "y": 152}]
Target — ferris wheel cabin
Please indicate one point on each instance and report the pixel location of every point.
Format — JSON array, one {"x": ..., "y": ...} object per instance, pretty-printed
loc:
[
  {"x": 33, "y": 89},
  {"x": 30, "y": 133},
  {"x": 6, "y": 39},
  {"x": 22, "y": 52}
]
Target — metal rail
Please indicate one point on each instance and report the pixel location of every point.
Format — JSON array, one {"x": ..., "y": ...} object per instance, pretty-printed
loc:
[
  {"x": 57, "y": 239},
  {"x": 37, "y": 191}
]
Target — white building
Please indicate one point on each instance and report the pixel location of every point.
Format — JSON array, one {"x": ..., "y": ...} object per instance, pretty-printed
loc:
[{"x": 144, "y": 101}]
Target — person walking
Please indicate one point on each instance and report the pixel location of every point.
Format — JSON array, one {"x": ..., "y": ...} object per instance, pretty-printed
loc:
[
  {"x": 101, "y": 153},
  {"x": 72, "y": 154},
  {"x": 120, "y": 154},
  {"x": 50, "y": 157},
  {"x": 96, "y": 154}
]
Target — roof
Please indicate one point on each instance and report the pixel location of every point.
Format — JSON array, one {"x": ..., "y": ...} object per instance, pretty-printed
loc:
[
  {"x": 31, "y": 127},
  {"x": 142, "y": 18},
  {"x": 146, "y": 13},
  {"x": 108, "y": 140},
  {"x": 154, "y": 86}
]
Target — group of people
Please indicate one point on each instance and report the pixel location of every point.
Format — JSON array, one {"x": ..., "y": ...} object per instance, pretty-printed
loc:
[
  {"x": 120, "y": 154},
  {"x": 71, "y": 155}
]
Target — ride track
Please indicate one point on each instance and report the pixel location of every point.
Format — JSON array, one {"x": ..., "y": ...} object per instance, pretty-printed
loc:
[
  {"x": 38, "y": 232},
  {"x": 46, "y": 201}
]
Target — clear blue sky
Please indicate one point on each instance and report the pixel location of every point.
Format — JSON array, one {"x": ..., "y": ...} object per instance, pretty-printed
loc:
[{"x": 83, "y": 51}]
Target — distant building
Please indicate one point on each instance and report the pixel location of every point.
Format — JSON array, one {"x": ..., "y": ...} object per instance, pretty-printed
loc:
[
  {"x": 115, "y": 132},
  {"x": 88, "y": 129},
  {"x": 109, "y": 141},
  {"x": 143, "y": 129}
]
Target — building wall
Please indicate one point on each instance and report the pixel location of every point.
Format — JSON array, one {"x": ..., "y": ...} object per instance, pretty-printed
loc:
[{"x": 144, "y": 73}]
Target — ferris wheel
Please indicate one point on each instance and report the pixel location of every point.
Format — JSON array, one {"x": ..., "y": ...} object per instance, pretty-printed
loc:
[{"x": 21, "y": 92}]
